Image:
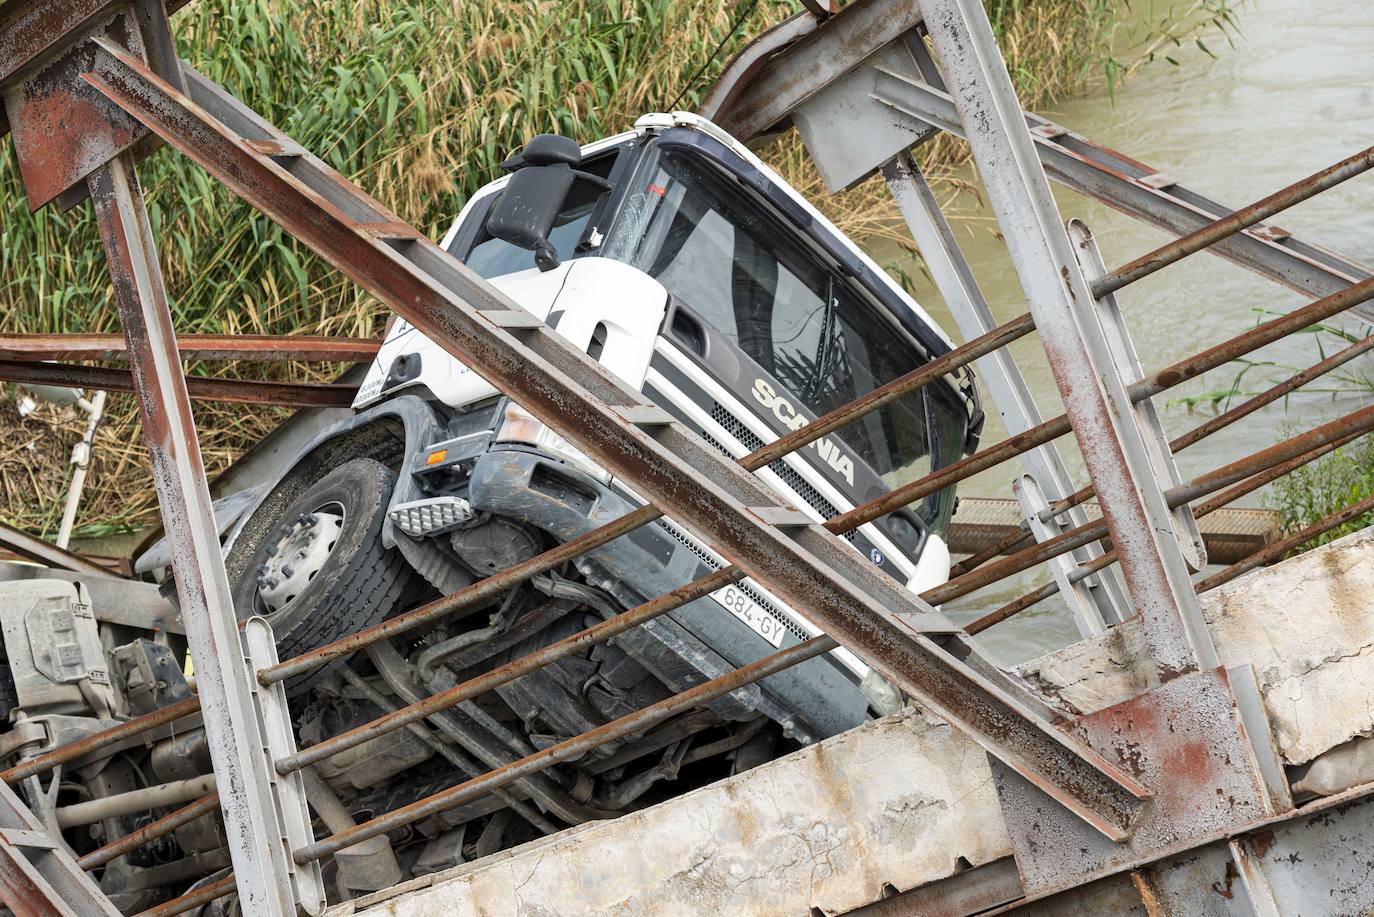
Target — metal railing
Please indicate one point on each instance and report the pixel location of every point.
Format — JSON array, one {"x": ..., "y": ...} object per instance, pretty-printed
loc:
[{"x": 764, "y": 539}]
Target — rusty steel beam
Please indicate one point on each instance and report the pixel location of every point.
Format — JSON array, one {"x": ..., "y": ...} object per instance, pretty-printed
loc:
[
  {"x": 1088, "y": 369},
  {"x": 199, "y": 388},
  {"x": 1297, "y": 539},
  {"x": 249, "y": 347},
  {"x": 150, "y": 832},
  {"x": 233, "y": 727},
  {"x": 48, "y": 554},
  {"x": 808, "y": 568},
  {"x": 1227, "y": 226}
]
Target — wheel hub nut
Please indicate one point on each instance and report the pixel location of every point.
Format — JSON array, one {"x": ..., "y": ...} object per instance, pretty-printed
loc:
[{"x": 297, "y": 557}]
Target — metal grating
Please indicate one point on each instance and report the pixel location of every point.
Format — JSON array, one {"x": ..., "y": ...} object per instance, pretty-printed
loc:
[
  {"x": 790, "y": 476},
  {"x": 682, "y": 539}
]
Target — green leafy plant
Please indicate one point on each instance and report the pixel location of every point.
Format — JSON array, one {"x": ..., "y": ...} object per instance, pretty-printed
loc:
[
  {"x": 1332, "y": 483},
  {"x": 1327, "y": 486}
]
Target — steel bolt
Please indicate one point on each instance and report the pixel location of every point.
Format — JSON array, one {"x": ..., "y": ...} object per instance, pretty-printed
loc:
[{"x": 287, "y": 570}]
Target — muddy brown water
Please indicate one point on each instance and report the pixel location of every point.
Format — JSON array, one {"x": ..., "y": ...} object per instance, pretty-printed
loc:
[{"x": 1294, "y": 95}]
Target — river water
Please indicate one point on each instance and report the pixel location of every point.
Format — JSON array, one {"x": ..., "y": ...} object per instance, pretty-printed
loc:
[{"x": 1294, "y": 95}]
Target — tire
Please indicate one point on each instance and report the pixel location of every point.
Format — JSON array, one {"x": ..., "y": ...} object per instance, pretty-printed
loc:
[{"x": 359, "y": 583}]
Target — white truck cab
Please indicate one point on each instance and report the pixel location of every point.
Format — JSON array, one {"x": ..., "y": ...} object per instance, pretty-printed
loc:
[{"x": 705, "y": 281}]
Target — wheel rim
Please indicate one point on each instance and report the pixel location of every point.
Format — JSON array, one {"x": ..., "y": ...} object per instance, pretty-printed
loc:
[{"x": 301, "y": 552}]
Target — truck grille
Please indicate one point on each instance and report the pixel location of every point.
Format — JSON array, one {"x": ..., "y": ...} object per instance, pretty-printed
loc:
[
  {"x": 732, "y": 425},
  {"x": 681, "y": 538}
]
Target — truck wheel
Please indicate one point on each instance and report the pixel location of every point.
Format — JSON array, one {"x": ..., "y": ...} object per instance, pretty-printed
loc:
[{"x": 321, "y": 571}]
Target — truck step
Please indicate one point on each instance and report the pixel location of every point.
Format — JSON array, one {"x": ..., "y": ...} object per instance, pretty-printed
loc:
[{"x": 432, "y": 516}]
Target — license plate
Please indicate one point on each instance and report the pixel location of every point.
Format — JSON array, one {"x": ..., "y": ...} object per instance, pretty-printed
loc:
[{"x": 751, "y": 613}]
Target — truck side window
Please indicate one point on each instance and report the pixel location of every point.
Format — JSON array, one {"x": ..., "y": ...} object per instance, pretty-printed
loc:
[{"x": 494, "y": 258}]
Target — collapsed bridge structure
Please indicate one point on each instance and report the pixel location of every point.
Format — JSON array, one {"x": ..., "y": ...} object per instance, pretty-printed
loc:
[{"x": 1182, "y": 765}]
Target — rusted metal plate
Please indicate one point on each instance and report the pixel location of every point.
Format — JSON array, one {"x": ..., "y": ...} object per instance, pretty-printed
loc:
[
  {"x": 1185, "y": 742},
  {"x": 64, "y": 129},
  {"x": 30, "y": 29},
  {"x": 1200, "y": 883},
  {"x": 1315, "y": 866}
]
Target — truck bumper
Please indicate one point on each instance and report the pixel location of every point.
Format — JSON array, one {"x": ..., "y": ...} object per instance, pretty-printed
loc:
[{"x": 696, "y": 642}]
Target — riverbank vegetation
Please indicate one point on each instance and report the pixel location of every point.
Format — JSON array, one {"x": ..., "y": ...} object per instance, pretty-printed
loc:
[
  {"x": 417, "y": 101},
  {"x": 1346, "y": 476},
  {"x": 1327, "y": 486}
]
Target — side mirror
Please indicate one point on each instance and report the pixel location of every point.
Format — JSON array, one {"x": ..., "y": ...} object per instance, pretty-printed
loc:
[{"x": 543, "y": 174}]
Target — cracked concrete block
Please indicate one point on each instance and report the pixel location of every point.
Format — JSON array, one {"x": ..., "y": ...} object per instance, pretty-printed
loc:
[
  {"x": 899, "y": 800},
  {"x": 1306, "y": 625}
]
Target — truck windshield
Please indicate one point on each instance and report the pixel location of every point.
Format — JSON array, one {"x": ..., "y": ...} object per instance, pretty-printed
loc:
[{"x": 750, "y": 276}]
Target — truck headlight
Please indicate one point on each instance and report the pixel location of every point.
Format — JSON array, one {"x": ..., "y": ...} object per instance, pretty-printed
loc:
[{"x": 520, "y": 426}]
